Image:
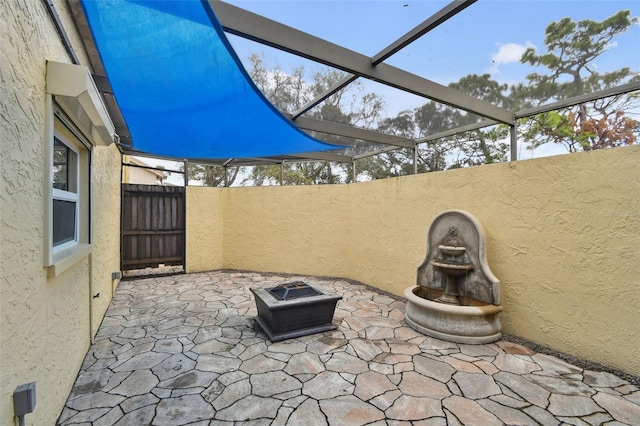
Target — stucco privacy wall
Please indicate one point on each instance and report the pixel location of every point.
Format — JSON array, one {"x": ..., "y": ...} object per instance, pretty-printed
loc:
[
  {"x": 44, "y": 323},
  {"x": 204, "y": 229},
  {"x": 287, "y": 229},
  {"x": 562, "y": 235}
]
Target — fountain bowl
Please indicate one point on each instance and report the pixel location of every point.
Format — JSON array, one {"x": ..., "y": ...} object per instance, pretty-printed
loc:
[
  {"x": 454, "y": 251},
  {"x": 475, "y": 323},
  {"x": 452, "y": 269}
]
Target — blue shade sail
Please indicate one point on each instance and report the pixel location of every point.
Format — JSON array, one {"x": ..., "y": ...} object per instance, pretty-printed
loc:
[{"x": 180, "y": 86}]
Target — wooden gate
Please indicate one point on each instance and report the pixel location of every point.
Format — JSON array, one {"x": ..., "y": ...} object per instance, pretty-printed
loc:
[{"x": 153, "y": 226}]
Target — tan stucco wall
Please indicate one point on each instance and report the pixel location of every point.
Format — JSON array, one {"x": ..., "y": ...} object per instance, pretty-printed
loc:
[
  {"x": 139, "y": 176},
  {"x": 105, "y": 257},
  {"x": 287, "y": 229},
  {"x": 562, "y": 235},
  {"x": 44, "y": 323},
  {"x": 204, "y": 236}
]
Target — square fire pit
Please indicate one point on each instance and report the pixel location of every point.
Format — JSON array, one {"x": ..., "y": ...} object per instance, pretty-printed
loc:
[{"x": 293, "y": 309}]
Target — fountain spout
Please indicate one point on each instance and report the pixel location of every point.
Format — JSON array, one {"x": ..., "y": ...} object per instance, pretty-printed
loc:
[
  {"x": 452, "y": 264},
  {"x": 453, "y": 267}
]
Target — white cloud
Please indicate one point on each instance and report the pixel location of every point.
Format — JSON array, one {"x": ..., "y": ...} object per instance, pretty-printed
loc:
[
  {"x": 507, "y": 53},
  {"x": 510, "y": 52}
]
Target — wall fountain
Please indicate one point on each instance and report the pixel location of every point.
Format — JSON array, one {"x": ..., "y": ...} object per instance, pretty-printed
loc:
[{"x": 457, "y": 297}]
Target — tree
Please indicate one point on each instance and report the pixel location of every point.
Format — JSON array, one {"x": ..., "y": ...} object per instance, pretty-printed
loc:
[
  {"x": 481, "y": 146},
  {"x": 467, "y": 149},
  {"x": 398, "y": 162},
  {"x": 211, "y": 175},
  {"x": 165, "y": 174},
  {"x": 571, "y": 50},
  {"x": 288, "y": 93},
  {"x": 305, "y": 173}
]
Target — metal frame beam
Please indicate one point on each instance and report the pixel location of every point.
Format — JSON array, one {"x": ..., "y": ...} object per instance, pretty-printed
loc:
[
  {"x": 430, "y": 23},
  {"x": 61, "y": 31},
  {"x": 266, "y": 161},
  {"x": 322, "y": 156},
  {"x": 457, "y": 130},
  {"x": 565, "y": 103},
  {"x": 271, "y": 33},
  {"x": 350, "y": 131},
  {"x": 376, "y": 152},
  {"x": 345, "y": 81},
  {"x": 587, "y": 97}
]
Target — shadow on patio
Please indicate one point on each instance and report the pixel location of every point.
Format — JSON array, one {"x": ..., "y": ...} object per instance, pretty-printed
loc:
[{"x": 183, "y": 350}]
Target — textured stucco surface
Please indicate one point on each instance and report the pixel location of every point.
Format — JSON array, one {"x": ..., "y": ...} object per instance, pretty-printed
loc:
[
  {"x": 562, "y": 236},
  {"x": 287, "y": 229},
  {"x": 204, "y": 226},
  {"x": 105, "y": 257},
  {"x": 44, "y": 322}
]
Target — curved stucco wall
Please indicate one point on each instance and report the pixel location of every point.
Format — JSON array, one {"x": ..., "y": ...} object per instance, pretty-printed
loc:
[
  {"x": 562, "y": 236},
  {"x": 45, "y": 322}
]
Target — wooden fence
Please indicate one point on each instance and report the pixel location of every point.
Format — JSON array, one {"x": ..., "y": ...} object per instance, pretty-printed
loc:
[{"x": 153, "y": 226}]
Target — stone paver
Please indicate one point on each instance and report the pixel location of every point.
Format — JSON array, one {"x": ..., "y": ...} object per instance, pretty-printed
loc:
[
  {"x": 468, "y": 412},
  {"x": 184, "y": 350},
  {"x": 476, "y": 386},
  {"x": 349, "y": 410}
]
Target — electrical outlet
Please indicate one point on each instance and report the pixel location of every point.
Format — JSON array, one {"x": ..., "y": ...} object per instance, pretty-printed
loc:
[{"x": 24, "y": 399}]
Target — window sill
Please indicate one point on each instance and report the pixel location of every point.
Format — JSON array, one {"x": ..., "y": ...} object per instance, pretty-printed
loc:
[{"x": 65, "y": 259}]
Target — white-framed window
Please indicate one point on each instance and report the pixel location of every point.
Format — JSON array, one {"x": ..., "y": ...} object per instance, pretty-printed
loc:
[
  {"x": 67, "y": 233},
  {"x": 76, "y": 121},
  {"x": 65, "y": 195}
]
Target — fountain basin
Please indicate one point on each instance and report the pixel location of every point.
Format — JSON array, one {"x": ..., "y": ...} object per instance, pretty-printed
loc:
[{"x": 476, "y": 324}]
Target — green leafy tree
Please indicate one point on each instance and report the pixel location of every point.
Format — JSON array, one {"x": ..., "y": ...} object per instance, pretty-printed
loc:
[
  {"x": 289, "y": 92},
  {"x": 481, "y": 146},
  {"x": 398, "y": 162},
  {"x": 165, "y": 174},
  {"x": 306, "y": 173},
  {"x": 466, "y": 149},
  {"x": 571, "y": 48},
  {"x": 210, "y": 175}
]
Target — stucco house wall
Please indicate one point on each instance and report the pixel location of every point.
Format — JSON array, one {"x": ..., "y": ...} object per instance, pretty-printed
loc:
[
  {"x": 138, "y": 175},
  {"x": 45, "y": 323},
  {"x": 562, "y": 236}
]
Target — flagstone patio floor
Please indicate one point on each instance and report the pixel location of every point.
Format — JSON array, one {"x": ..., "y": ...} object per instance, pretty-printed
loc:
[{"x": 183, "y": 350}]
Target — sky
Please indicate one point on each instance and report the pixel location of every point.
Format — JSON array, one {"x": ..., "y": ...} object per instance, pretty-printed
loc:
[{"x": 487, "y": 37}]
